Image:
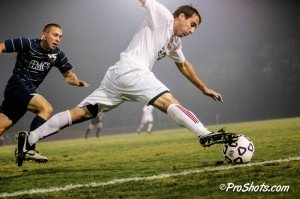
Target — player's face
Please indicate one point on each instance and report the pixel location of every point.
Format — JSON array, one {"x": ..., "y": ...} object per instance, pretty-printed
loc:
[
  {"x": 52, "y": 38},
  {"x": 186, "y": 26}
]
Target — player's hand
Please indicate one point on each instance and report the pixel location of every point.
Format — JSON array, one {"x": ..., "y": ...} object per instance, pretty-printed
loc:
[
  {"x": 83, "y": 84},
  {"x": 213, "y": 94}
]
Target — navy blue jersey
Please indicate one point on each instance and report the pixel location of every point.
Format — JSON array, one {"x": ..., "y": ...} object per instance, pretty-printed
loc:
[{"x": 33, "y": 63}]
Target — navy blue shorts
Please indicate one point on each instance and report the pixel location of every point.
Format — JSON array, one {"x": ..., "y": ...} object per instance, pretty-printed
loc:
[{"x": 17, "y": 96}]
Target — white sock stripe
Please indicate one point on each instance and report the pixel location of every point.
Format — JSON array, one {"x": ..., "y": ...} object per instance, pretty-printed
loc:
[
  {"x": 188, "y": 113},
  {"x": 186, "y": 119},
  {"x": 195, "y": 116}
]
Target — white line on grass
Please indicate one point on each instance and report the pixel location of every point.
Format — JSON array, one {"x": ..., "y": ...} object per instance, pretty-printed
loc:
[{"x": 136, "y": 179}]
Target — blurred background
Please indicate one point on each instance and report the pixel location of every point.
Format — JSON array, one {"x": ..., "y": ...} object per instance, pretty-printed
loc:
[{"x": 246, "y": 50}]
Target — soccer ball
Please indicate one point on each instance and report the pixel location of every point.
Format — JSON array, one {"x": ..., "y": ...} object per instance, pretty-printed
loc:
[{"x": 239, "y": 152}]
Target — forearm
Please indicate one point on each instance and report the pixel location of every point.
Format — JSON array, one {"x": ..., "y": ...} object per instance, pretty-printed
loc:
[
  {"x": 190, "y": 73},
  {"x": 72, "y": 79},
  {"x": 188, "y": 70}
]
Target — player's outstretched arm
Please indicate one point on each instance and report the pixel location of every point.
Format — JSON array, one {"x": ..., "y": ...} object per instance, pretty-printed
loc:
[
  {"x": 2, "y": 47},
  {"x": 188, "y": 70},
  {"x": 72, "y": 79}
]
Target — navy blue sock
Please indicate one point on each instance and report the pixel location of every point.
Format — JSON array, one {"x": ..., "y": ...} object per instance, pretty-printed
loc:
[{"x": 36, "y": 122}]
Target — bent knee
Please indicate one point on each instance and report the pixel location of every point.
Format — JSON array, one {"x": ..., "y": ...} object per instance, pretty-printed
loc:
[
  {"x": 79, "y": 114},
  {"x": 165, "y": 101}
]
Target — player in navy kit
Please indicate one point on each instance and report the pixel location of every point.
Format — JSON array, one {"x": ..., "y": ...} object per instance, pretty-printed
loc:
[{"x": 34, "y": 60}]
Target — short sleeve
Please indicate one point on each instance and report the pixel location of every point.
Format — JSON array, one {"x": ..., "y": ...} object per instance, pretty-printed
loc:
[
  {"x": 177, "y": 56},
  {"x": 176, "y": 53},
  {"x": 62, "y": 63},
  {"x": 17, "y": 45}
]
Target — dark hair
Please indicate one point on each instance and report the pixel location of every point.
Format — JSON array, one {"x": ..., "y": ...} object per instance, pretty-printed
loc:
[
  {"x": 188, "y": 11},
  {"x": 50, "y": 25}
]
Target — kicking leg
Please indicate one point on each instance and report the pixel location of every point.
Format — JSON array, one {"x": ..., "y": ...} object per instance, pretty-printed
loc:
[
  {"x": 183, "y": 117},
  {"x": 218, "y": 138}
]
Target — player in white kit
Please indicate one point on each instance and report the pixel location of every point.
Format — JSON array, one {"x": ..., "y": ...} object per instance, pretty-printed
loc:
[
  {"x": 147, "y": 119},
  {"x": 132, "y": 79}
]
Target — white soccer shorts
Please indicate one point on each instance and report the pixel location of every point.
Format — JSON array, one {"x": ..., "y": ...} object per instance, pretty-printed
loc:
[{"x": 125, "y": 84}]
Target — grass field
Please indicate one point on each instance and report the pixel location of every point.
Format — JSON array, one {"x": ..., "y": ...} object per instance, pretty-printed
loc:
[{"x": 165, "y": 164}]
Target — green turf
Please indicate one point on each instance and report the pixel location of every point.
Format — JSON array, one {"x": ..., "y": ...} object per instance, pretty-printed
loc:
[{"x": 82, "y": 161}]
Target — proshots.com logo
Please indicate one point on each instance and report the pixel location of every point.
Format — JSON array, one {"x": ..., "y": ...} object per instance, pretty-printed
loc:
[{"x": 251, "y": 187}]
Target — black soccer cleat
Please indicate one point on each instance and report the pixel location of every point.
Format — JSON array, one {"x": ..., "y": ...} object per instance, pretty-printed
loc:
[
  {"x": 21, "y": 147},
  {"x": 219, "y": 137}
]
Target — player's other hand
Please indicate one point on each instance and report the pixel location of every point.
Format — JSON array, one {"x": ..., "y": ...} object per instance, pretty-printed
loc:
[
  {"x": 213, "y": 94},
  {"x": 83, "y": 84}
]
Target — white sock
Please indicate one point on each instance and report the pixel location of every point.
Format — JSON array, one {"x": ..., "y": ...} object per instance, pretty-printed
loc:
[
  {"x": 187, "y": 119},
  {"x": 53, "y": 125}
]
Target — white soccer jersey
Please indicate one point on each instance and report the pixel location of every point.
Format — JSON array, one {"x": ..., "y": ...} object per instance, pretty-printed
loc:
[
  {"x": 131, "y": 78},
  {"x": 153, "y": 40}
]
